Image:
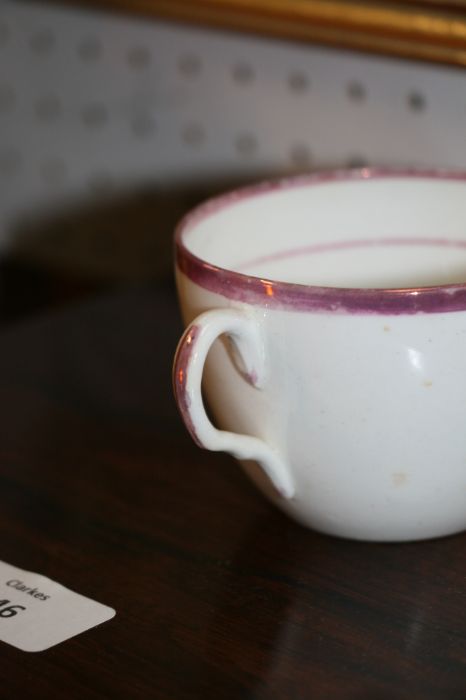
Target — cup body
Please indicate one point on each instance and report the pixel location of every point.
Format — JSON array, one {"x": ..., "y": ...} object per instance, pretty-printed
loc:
[{"x": 363, "y": 393}]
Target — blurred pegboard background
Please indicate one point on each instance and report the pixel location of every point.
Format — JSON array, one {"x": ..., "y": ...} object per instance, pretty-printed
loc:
[{"x": 111, "y": 126}]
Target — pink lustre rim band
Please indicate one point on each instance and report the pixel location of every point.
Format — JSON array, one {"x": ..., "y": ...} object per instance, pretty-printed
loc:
[{"x": 297, "y": 297}]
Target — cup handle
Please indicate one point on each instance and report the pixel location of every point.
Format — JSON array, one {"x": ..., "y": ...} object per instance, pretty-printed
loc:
[{"x": 188, "y": 369}]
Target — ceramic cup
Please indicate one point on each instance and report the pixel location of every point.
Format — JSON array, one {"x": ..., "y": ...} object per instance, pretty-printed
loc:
[{"x": 326, "y": 318}]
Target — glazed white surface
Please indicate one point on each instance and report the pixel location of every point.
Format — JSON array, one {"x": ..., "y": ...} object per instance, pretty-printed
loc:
[
  {"x": 363, "y": 265},
  {"x": 366, "y": 411},
  {"x": 290, "y": 221}
]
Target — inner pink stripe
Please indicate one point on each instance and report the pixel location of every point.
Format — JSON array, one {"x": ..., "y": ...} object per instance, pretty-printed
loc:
[{"x": 346, "y": 245}]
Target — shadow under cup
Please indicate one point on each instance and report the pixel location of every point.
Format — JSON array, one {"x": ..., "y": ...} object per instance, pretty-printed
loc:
[{"x": 330, "y": 312}]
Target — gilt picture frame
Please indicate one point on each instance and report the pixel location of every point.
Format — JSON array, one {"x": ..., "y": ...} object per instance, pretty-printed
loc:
[{"x": 430, "y": 30}]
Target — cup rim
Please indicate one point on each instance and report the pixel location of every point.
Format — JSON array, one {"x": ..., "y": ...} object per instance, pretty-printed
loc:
[{"x": 276, "y": 294}]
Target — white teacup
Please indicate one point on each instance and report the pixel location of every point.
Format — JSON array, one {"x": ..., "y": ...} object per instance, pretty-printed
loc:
[{"x": 340, "y": 303}]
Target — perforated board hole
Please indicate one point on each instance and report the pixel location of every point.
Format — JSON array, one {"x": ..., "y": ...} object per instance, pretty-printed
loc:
[
  {"x": 139, "y": 58},
  {"x": 90, "y": 49},
  {"x": 189, "y": 65},
  {"x": 94, "y": 115},
  {"x": 243, "y": 73},
  {"x": 356, "y": 92},
  {"x": 143, "y": 126},
  {"x": 356, "y": 161},
  {"x": 416, "y": 101},
  {"x": 246, "y": 144},
  {"x": 298, "y": 82},
  {"x": 193, "y": 135},
  {"x": 42, "y": 42},
  {"x": 300, "y": 155}
]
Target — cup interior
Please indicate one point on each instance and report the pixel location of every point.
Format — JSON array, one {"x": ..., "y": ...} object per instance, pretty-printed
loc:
[{"x": 358, "y": 231}]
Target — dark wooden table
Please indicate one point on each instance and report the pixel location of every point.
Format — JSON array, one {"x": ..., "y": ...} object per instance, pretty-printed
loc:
[{"x": 217, "y": 594}]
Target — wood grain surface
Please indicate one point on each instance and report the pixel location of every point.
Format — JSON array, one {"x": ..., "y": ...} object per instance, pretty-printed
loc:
[{"x": 217, "y": 594}]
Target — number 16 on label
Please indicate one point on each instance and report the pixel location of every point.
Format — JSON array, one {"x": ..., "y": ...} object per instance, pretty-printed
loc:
[
  {"x": 8, "y": 610},
  {"x": 36, "y": 613}
]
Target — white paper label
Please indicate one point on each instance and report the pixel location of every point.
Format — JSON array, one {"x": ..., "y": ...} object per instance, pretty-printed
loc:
[{"x": 36, "y": 613}]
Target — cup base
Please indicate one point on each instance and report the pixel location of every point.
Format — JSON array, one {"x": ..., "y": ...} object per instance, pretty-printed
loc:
[{"x": 375, "y": 531}]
